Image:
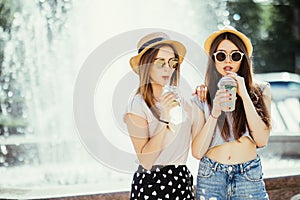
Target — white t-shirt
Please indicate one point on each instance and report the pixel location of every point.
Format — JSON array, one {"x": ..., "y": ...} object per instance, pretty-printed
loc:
[{"x": 177, "y": 140}]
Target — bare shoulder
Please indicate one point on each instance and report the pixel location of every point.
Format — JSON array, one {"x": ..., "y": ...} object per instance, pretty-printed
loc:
[{"x": 263, "y": 85}]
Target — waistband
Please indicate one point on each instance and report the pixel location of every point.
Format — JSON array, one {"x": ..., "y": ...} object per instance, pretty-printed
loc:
[
  {"x": 216, "y": 166},
  {"x": 158, "y": 168}
]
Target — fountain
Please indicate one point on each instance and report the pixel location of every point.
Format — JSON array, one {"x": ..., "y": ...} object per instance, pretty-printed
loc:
[{"x": 44, "y": 51}]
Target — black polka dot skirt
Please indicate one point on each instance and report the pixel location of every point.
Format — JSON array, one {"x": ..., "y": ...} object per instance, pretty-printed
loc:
[{"x": 162, "y": 182}]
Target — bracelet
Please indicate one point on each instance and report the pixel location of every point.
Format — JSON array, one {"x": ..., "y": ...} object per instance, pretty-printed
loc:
[
  {"x": 163, "y": 121},
  {"x": 213, "y": 116}
]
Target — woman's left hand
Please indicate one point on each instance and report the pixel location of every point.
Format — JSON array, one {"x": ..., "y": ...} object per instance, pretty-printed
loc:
[
  {"x": 201, "y": 92},
  {"x": 241, "y": 87}
]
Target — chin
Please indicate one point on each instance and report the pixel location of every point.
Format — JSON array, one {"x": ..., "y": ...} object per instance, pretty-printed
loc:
[{"x": 165, "y": 82}]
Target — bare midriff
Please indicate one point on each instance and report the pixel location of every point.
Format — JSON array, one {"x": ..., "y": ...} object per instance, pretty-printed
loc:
[{"x": 235, "y": 152}]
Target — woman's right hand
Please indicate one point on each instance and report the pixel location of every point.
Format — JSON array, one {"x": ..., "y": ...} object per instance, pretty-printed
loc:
[
  {"x": 167, "y": 102},
  {"x": 221, "y": 96}
]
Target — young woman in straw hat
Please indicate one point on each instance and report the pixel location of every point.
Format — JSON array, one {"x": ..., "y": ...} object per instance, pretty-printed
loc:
[
  {"x": 161, "y": 145},
  {"x": 229, "y": 166}
]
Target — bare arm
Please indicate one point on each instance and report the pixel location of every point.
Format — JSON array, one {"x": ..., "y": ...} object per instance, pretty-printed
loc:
[
  {"x": 259, "y": 131},
  {"x": 203, "y": 130},
  {"x": 147, "y": 149},
  {"x": 202, "y": 133}
]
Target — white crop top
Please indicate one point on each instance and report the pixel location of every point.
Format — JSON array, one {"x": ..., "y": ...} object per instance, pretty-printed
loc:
[
  {"x": 177, "y": 141},
  {"x": 217, "y": 137}
]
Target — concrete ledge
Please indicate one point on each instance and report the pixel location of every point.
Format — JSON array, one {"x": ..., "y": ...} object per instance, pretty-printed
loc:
[
  {"x": 106, "y": 196},
  {"x": 283, "y": 187},
  {"x": 284, "y": 145},
  {"x": 279, "y": 188}
]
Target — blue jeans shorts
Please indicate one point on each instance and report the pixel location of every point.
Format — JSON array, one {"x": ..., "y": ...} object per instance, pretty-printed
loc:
[{"x": 216, "y": 181}]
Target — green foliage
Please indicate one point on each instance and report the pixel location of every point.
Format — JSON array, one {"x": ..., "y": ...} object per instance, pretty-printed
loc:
[
  {"x": 7, "y": 10},
  {"x": 273, "y": 30},
  {"x": 10, "y": 121},
  {"x": 250, "y": 19}
]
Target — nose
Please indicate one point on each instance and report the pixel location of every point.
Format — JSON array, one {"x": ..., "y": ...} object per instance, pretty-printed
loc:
[
  {"x": 167, "y": 67},
  {"x": 227, "y": 60}
]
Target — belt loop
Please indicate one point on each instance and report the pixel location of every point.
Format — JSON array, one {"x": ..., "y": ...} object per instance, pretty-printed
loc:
[
  {"x": 215, "y": 165},
  {"x": 242, "y": 168}
]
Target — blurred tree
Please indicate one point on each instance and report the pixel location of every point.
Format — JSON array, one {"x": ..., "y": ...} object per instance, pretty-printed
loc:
[
  {"x": 11, "y": 122},
  {"x": 7, "y": 11},
  {"x": 274, "y": 29},
  {"x": 11, "y": 109}
]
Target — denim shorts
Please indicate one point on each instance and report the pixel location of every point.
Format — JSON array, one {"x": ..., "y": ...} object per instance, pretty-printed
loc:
[{"x": 216, "y": 181}]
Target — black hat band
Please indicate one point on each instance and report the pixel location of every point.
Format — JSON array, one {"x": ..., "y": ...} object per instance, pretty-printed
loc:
[{"x": 150, "y": 42}]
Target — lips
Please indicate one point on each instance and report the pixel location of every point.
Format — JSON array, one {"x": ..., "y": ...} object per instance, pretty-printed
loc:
[
  {"x": 166, "y": 77},
  {"x": 227, "y": 68}
]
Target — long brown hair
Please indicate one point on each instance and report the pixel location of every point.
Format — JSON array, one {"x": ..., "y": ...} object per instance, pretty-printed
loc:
[
  {"x": 145, "y": 87},
  {"x": 211, "y": 80}
]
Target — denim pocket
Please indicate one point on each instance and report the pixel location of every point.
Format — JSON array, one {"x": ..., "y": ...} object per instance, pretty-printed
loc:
[
  {"x": 205, "y": 170},
  {"x": 253, "y": 173}
]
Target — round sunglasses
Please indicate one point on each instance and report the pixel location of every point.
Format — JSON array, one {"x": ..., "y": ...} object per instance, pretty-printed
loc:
[
  {"x": 235, "y": 56},
  {"x": 173, "y": 63}
]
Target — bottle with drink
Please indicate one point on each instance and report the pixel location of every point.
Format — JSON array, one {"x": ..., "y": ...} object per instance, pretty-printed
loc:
[
  {"x": 229, "y": 84},
  {"x": 177, "y": 114}
]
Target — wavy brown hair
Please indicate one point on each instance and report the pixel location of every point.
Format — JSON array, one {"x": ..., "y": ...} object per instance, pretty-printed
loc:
[
  {"x": 213, "y": 76},
  {"x": 145, "y": 87}
]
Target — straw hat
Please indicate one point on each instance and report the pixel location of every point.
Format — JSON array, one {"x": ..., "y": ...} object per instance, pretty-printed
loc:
[
  {"x": 152, "y": 40},
  {"x": 228, "y": 29}
]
